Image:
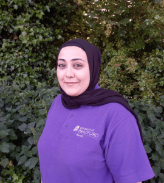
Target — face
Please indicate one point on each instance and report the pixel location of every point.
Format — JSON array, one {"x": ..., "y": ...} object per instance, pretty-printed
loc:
[{"x": 73, "y": 70}]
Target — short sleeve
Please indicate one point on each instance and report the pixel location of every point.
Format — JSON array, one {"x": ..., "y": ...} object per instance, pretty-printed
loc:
[{"x": 125, "y": 155}]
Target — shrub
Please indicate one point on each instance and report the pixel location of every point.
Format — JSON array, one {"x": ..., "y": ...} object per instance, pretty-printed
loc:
[
  {"x": 130, "y": 36},
  {"x": 30, "y": 35},
  {"x": 22, "y": 118},
  {"x": 151, "y": 118}
]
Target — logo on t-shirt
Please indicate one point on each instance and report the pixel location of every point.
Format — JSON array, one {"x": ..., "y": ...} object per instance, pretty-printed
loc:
[{"x": 81, "y": 132}]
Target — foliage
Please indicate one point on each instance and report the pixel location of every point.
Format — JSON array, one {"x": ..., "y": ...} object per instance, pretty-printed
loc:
[
  {"x": 151, "y": 118},
  {"x": 22, "y": 118},
  {"x": 131, "y": 38},
  {"x": 14, "y": 174},
  {"x": 30, "y": 35}
]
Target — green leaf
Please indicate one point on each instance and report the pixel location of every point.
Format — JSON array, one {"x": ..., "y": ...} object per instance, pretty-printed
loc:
[
  {"x": 158, "y": 147},
  {"x": 12, "y": 134},
  {"x": 27, "y": 163},
  {"x": 147, "y": 148},
  {"x": 41, "y": 122},
  {"x": 9, "y": 122},
  {"x": 31, "y": 140},
  {"x": 156, "y": 170},
  {"x": 15, "y": 177},
  {"x": 155, "y": 157},
  {"x": 8, "y": 109},
  {"x": 161, "y": 175},
  {"x": 25, "y": 149},
  {"x": 12, "y": 146},
  {"x": 158, "y": 109},
  {"x": 34, "y": 150},
  {"x": 42, "y": 111},
  {"x": 22, "y": 127},
  {"x": 22, "y": 159},
  {"x": 4, "y": 162},
  {"x": 31, "y": 125},
  {"x": 3, "y": 133},
  {"x": 4, "y": 147},
  {"x": 162, "y": 100},
  {"x": 23, "y": 119},
  {"x": 161, "y": 139},
  {"x": 3, "y": 127},
  {"x": 31, "y": 162},
  {"x": 151, "y": 116},
  {"x": 29, "y": 154},
  {"x": 1, "y": 104},
  {"x": 138, "y": 44}
]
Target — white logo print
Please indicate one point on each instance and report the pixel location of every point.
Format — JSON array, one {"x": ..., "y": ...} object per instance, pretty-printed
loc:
[
  {"x": 81, "y": 132},
  {"x": 76, "y": 128}
]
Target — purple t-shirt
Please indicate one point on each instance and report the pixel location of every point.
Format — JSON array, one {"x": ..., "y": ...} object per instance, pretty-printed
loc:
[{"x": 92, "y": 144}]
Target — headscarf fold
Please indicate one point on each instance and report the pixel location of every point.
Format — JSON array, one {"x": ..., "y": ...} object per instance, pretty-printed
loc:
[{"x": 90, "y": 96}]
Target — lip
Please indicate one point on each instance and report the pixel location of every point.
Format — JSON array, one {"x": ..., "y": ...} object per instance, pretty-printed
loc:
[{"x": 71, "y": 83}]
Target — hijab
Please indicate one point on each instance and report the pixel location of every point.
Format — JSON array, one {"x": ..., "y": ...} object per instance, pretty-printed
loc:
[{"x": 91, "y": 96}]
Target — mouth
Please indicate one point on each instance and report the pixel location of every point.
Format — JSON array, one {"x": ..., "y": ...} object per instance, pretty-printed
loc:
[{"x": 71, "y": 83}]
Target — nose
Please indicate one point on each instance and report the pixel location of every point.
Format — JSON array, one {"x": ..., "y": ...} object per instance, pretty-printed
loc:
[{"x": 69, "y": 72}]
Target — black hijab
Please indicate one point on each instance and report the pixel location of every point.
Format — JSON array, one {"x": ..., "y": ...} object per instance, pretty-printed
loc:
[{"x": 93, "y": 97}]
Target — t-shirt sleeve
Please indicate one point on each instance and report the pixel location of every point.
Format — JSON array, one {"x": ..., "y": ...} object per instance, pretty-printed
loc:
[{"x": 125, "y": 154}]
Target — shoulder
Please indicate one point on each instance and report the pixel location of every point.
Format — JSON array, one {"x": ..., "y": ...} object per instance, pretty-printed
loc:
[
  {"x": 56, "y": 101},
  {"x": 118, "y": 118},
  {"x": 116, "y": 112},
  {"x": 122, "y": 123}
]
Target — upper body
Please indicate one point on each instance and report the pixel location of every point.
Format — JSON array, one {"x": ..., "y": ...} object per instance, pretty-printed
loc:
[
  {"x": 99, "y": 144},
  {"x": 91, "y": 134}
]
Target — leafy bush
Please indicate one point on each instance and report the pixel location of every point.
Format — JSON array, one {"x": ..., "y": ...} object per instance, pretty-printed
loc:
[
  {"x": 30, "y": 35},
  {"x": 130, "y": 36},
  {"x": 22, "y": 118},
  {"x": 151, "y": 118}
]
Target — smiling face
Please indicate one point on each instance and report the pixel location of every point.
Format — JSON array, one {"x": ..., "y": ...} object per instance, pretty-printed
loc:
[{"x": 73, "y": 70}]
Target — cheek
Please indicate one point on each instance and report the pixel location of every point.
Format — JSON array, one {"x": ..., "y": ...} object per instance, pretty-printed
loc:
[
  {"x": 59, "y": 75},
  {"x": 84, "y": 76}
]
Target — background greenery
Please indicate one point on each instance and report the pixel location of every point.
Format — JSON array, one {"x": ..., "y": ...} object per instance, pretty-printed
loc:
[{"x": 131, "y": 38}]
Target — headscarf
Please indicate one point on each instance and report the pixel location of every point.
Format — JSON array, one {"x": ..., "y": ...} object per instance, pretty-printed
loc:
[{"x": 90, "y": 96}]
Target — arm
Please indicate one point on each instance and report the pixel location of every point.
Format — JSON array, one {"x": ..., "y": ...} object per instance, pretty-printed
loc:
[
  {"x": 41, "y": 181},
  {"x": 124, "y": 148}
]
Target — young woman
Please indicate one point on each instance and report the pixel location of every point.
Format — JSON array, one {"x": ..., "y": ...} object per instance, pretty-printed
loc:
[{"x": 91, "y": 134}]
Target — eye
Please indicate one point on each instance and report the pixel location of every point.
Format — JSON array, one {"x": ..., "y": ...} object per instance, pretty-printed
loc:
[
  {"x": 78, "y": 65},
  {"x": 61, "y": 65}
]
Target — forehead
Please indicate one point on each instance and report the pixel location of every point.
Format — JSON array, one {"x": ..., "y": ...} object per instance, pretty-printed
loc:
[{"x": 71, "y": 52}]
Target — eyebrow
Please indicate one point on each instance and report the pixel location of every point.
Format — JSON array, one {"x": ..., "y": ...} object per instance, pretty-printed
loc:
[{"x": 74, "y": 59}]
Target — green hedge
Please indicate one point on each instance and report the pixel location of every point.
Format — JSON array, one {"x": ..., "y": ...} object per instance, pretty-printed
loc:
[
  {"x": 130, "y": 36},
  {"x": 30, "y": 35},
  {"x": 22, "y": 119}
]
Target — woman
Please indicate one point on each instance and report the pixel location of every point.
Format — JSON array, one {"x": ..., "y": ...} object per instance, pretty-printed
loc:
[{"x": 91, "y": 134}]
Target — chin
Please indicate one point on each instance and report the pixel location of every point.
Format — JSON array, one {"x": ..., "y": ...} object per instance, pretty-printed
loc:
[{"x": 72, "y": 94}]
